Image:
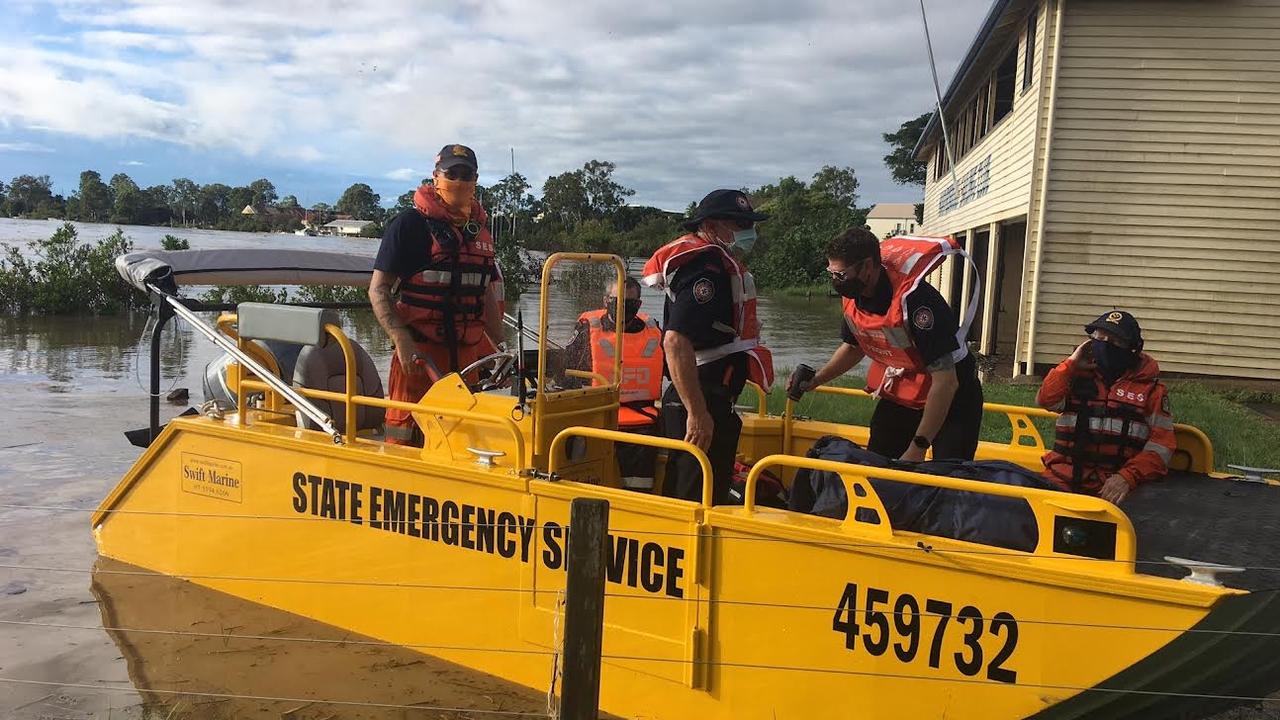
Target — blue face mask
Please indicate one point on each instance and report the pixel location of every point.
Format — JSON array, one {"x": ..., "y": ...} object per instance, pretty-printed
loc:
[{"x": 744, "y": 240}]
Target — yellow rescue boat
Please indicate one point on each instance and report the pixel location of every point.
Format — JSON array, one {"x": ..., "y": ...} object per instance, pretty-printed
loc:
[{"x": 457, "y": 550}]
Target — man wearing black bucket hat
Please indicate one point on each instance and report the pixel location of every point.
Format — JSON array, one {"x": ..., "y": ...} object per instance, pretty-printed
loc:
[
  {"x": 1114, "y": 431},
  {"x": 711, "y": 338}
]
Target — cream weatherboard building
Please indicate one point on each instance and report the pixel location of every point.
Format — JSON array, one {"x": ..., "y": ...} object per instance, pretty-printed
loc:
[
  {"x": 1117, "y": 153},
  {"x": 887, "y": 219}
]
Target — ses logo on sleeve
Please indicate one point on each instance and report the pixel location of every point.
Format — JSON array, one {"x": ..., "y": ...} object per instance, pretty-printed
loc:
[{"x": 703, "y": 291}]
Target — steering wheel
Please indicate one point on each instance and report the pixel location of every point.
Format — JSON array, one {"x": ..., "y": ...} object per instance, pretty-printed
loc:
[{"x": 502, "y": 366}]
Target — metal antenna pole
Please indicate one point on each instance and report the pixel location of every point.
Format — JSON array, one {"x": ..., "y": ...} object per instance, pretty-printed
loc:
[{"x": 937, "y": 92}]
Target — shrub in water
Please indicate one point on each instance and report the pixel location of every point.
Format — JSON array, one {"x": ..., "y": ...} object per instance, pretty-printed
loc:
[
  {"x": 61, "y": 276},
  {"x": 170, "y": 242},
  {"x": 236, "y": 294},
  {"x": 332, "y": 294}
]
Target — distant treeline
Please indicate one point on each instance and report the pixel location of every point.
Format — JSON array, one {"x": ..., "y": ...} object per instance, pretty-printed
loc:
[
  {"x": 577, "y": 210},
  {"x": 255, "y": 207}
]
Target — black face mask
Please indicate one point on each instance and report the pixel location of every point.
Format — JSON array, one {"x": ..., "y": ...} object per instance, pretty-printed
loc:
[
  {"x": 850, "y": 287},
  {"x": 630, "y": 307},
  {"x": 1112, "y": 361}
]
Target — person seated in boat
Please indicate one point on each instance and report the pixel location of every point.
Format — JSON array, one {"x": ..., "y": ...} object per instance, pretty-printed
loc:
[
  {"x": 439, "y": 256},
  {"x": 592, "y": 349},
  {"x": 1114, "y": 431},
  {"x": 924, "y": 376}
]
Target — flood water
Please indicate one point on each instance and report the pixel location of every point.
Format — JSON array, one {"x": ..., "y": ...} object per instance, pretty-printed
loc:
[
  {"x": 69, "y": 388},
  {"x": 84, "y": 637}
]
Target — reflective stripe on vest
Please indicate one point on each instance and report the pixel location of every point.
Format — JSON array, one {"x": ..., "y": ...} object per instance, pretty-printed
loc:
[
  {"x": 1113, "y": 425},
  {"x": 450, "y": 288},
  {"x": 1118, "y": 427},
  {"x": 444, "y": 277}
]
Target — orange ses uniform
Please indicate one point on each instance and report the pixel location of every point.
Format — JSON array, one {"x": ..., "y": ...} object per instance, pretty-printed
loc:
[
  {"x": 1124, "y": 429},
  {"x": 661, "y": 268},
  {"x": 641, "y": 365},
  {"x": 443, "y": 303},
  {"x": 897, "y": 370}
]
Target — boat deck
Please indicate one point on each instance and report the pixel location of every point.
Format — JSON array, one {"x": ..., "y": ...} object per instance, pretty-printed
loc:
[{"x": 1199, "y": 518}]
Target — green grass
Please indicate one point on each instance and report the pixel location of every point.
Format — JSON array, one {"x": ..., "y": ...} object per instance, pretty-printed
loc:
[
  {"x": 820, "y": 289},
  {"x": 1240, "y": 435}
]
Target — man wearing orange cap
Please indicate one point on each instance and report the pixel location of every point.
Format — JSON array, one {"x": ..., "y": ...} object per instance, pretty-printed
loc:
[{"x": 439, "y": 258}]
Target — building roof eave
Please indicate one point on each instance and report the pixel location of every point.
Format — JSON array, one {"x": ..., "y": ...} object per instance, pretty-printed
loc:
[{"x": 980, "y": 41}]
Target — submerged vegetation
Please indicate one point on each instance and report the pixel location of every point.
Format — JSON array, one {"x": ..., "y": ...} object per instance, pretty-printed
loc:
[{"x": 62, "y": 276}]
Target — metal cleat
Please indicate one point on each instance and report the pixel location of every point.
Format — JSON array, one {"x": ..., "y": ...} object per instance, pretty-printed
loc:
[
  {"x": 1203, "y": 573},
  {"x": 485, "y": 457}
]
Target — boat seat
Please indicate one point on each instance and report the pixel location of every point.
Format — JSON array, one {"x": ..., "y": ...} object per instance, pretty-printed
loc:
[
  {"x": 320, "y": 364},
  {"x": 322, "y": 367}
]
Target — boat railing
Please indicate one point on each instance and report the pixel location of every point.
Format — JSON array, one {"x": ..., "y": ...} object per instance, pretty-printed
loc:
[
  {"x": 1193, "y": 445},
  {"x": 351, "y": 399},
  {"x": 617, "y": 436},
  {"x": 1047, "y": 506},
  {"x": 542, "y": 413}
]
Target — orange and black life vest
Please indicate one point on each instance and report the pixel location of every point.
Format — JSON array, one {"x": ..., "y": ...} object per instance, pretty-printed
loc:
[
  {"x": 897, "y": 369},
  {"x": 443, "y": 302},
  {"x": 659, "y": 272},
  {"x": 1101, "y": 429},
  {"x": 641, "y": 366}
]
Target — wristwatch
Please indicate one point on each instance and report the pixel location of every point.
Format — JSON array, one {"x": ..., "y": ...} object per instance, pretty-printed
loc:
[{"x": 921, "y": 442}]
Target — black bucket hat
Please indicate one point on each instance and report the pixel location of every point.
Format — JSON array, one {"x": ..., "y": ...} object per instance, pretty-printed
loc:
[
  {"x": 723, "y": 205},
  {"x": 1119, "y": 323}
]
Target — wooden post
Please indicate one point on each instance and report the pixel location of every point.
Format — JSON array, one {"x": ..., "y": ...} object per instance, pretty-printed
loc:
[
  {"x": 584, "y": 608},
  {"x": 991, "y": 313}
]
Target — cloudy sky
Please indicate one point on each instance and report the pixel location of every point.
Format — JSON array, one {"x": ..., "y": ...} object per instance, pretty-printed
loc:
[{"x": 316, "y": 95}]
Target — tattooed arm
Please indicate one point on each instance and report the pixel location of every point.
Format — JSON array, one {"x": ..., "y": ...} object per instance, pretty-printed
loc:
[{"x": 385, "y": 310}]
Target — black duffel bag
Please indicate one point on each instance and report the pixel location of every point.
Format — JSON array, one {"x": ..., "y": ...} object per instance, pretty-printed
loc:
[{"x": 961, "y": 515}]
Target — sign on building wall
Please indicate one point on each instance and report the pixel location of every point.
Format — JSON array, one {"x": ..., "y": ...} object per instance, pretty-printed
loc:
[{"x": 973, "y": 185}]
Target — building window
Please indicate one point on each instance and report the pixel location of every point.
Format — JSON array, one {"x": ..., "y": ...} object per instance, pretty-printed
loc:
[
  {"x": 988, "y": 106},
  {"x": 1005, "y": 78},
  {"x": 1029, "y": 58}
]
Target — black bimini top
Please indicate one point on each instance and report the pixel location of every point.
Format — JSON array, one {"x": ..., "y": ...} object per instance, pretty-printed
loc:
[{"x": 252, "y": 266}]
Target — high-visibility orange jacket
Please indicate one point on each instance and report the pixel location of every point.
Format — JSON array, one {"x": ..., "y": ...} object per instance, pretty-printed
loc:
[
  {"x": 897, "y": 369},
  {"x": 1125, "y": 428},
  {"x": 641, "y": 365}
]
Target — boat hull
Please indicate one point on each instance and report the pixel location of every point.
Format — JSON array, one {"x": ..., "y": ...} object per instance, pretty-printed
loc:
[{"x": 710, "y": 612}]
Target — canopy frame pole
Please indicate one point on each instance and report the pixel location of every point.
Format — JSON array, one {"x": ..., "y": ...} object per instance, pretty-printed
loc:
[
  {"x": 163, "y": 313},
  {"x": 301, "y": 403}
]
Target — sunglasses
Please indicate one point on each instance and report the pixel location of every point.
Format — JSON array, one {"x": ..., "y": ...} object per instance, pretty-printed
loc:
[
  {"x": 842, "y": 274},
  {"x": 460, "y": 172}
]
